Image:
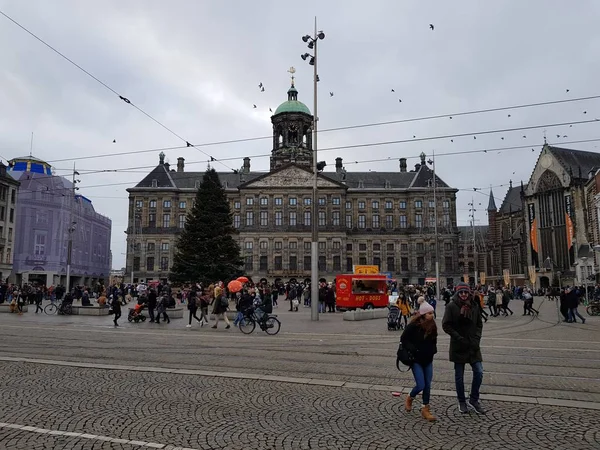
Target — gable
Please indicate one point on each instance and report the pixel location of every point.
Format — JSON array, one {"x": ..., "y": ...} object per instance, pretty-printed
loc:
[
  {"x": 293, "y": 177},
  {"x": 547, "y": 162}
]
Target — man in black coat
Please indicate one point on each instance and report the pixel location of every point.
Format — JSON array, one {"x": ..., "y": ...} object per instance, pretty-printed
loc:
[{"x": 462, "y": 321}]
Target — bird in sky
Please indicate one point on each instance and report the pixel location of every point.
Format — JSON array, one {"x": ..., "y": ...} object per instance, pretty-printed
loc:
[
  {"x": 509, "y": 115},
  {"x": 533, "y": 149},
  {"x": 485, "y": 151},
  {"x": 558, "y": 135},
  {"x": 585, "y": 112},
  {"x": 400, "y": 100},
  {"x": 212, "y": 159},
  {"x": 414, "y": 136},
  {"x": 502, "y": 138},
  {"x": 450, "y": 117},
  {"x": 270, "y": 110},
  {"x": 262, "y": 89},
  {"x": 260, "y": 85},
  {"x": 565, "y": 136},
  {"x": 393, "y": 90},
  {"x": 254, "y": 106},
  {"x": 570, "y": 126},
  {"x": 474, "y": 137},
  {"x": 451, "y": 140},
  {"x": 188, "y": 144},
  {"x": 331, "y": 94},
  {"x": 524, "y": 137},
  {"x": 567, "y": 90},
  {"x": 114, "y": 141},
  {"x": 431, "y": 27}
]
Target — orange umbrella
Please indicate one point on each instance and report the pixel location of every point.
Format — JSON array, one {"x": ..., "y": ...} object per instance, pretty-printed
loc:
[
  {"x": 242, "y": 279},
  {"x": 234, "y": 286}
]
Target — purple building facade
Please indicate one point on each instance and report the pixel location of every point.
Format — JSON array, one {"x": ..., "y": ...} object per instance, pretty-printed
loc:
[{"x": 47, "y": 212}]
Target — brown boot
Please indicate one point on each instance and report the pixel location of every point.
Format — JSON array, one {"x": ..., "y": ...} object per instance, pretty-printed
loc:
[
  {"x": 408, "y": 403},
  {"x": 426, "y": 414}
]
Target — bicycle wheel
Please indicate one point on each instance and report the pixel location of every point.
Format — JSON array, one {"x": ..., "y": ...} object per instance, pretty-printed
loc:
[
  {"x": 272, "y": 326},
  {"x": 67, "y": 310},
  {"x": 593, "y": 310},
  {"x": 51, "y": 309},
  {"x": 247, "y": 325}
]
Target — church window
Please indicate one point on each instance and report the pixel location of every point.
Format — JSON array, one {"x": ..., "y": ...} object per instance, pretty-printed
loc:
[
  {"x": 431, "y": 204},
  {"x": 322, "y": 245},
  {"x": 337, "y": 245},
  {"x": 362, "y": 247},
  {"x": 307, "y": 245}
]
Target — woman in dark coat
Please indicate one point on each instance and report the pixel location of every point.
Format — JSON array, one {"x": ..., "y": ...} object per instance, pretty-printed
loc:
[
  {"x": 420, "y": 339},
  {"x": 116, "y": 307}
]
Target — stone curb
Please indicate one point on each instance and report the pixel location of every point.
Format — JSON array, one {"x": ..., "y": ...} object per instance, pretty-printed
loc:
[{"x": 310, "y": 381}]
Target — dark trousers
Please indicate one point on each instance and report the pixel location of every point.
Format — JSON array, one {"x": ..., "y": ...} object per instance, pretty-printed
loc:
[
  {"x": 165, "y": 317},
  {"x": 38, "y": 307},
  {"x": 193, "y": 314},
  {"x": 151, "y": 314},
  {"x": 117, "y": 316}
]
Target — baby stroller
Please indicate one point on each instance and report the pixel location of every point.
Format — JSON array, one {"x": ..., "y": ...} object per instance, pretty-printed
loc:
[
  {"x": 393, "y": 318},
  {"x": 136, "y": 314}
]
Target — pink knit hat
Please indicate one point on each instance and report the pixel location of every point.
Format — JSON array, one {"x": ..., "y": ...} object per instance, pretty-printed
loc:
[{"x": 425, "y": 308}]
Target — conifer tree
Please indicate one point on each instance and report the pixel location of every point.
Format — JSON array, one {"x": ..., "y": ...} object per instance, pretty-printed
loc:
[{"x": 206, "y": 249}]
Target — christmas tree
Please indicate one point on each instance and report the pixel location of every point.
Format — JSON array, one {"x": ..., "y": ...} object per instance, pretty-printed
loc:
[{"x": 206, "y": 250}]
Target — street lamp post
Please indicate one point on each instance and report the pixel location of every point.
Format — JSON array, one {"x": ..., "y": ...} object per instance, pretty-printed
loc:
[
  {"x": 71, "y": 229},
  {"x": 314, "y": 249},
  {"x": 435, "y": 229}
]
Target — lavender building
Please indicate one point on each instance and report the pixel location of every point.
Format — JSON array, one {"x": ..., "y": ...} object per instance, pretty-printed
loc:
[{"x": 47, "y": 211}]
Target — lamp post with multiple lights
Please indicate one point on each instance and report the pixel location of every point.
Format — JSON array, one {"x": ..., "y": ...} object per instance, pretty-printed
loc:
[{"x": 314, "y": 249}]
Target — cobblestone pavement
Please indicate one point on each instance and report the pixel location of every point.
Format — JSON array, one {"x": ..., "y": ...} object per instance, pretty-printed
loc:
[
  {"x": 525, "y": 356},
  {"x": 210, "y": 413}
]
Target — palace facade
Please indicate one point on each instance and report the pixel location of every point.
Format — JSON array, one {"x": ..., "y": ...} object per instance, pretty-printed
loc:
[{"x": 377, "y": 218}]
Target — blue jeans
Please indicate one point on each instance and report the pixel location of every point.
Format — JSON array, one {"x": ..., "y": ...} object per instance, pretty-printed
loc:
[
  {"x": 459, "y": 374},
  {"x": 423, "y": 376},
  {"x": 572, "y": 313},
  {"x": 239, "y": 318}
]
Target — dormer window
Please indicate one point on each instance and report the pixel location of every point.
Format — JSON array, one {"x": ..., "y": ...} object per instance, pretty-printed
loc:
[
  {"x": 154, "y": 183},
  {"x": 197, "y": 184},
  {"x": 361, "y": 184},
  {"x": 387, "y": 184}
]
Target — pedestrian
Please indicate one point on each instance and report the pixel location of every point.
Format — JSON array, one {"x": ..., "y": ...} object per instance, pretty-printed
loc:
[
  {"x": 462, "y": 321},
  {"x": 572, "y": 303},
  {"x": 205, "y": 300},
  {"x": 152, "y": 302},
  {"x": 402, "y": 303},
  {"x": 38, "y": 304},
  {"x": 420, "y": 339},
  {"x": 116, "y": 307},
  {"x": 192, "y": 307},
  {"x": 162, "y": 309},
  {"x": 21, "y": 301},
  {"x": 220, "y": 306}
]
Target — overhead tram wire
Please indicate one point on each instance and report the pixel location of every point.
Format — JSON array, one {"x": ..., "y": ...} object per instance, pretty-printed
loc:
[{"x": 123, "y": 98}]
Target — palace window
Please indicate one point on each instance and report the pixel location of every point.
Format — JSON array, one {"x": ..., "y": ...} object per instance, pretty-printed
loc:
[
  {"x": 264, "y": 218},
  {"x": 335, "y": 218},
  {"x": 249, "y": 218},
  {"x": 166, "y": 220},
  {"x": 362, "y": 221},
  {"x": 278, "y": 218}
]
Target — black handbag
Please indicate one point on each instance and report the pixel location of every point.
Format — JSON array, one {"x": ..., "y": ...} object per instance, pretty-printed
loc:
[{"x": 405, "y": 357}]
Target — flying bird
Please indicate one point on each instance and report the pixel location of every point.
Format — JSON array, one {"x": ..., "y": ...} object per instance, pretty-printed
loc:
[
  {"x": 565, "y": 136},
  {"x": 331, "y": 94},
  {"x": 188, "y": 144},
  {"x": 270, "y": 110},
  {"x": 524, "y": 137},
  {"x": 393, "y": 90},
  {"x": 262, "y": 89},
  {"x": 558, "y": 135},
  {"x": 450, "y": 117},
  {"x": 451, "y": 140},
  {"x": 509, "y": 115},
  {"x": 533, "y": 149},
  {"x": 260, "y": 85},
  {"x": 567, "y": 90},
  {"x": 414, "y": 136},
  {"x": 585, "y": 112},
  {"x": 485, "y": 151},
  {"x": 254, "y": 106},
  {"x": 114, "y": 141},
  {"x": 474, "y": 137},
  {"x": 431, "y": 27},
  {"x": 502, "y": 138},
  {"x": 400, "y": 100},
  {"x": 212, "y": 159}
]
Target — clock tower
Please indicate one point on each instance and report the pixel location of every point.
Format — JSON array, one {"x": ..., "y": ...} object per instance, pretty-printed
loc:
[{"x": 292, "y": 131}]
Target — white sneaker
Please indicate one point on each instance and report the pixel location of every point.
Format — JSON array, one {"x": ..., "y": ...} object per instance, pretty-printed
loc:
[{"x": 188, "y": 326}]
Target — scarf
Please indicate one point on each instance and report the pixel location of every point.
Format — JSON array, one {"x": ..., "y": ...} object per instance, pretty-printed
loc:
[{"x": 465, "y": 306}]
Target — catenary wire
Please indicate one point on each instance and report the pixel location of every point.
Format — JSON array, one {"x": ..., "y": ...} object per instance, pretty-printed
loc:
[{"x": 123, "y": 98}]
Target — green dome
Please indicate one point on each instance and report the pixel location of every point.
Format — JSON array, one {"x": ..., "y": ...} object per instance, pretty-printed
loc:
[{"x": 292, "y": 105}]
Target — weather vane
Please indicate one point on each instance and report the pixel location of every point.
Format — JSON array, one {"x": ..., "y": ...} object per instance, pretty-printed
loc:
[{"x": 292, "y": 70}]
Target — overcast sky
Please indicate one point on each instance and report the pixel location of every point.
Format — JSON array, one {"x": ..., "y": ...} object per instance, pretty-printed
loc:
[{"x": 196, "y": 65}]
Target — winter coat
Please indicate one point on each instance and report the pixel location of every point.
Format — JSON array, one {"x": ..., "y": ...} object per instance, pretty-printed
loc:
[
  {"x": 404, "y": 307},
  {"x": 422, "y": 347},
  {"x": 465, "y": 332}
]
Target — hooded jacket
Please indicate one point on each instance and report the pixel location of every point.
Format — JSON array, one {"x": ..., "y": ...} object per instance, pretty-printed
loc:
[{"x": 465, "y": 332}]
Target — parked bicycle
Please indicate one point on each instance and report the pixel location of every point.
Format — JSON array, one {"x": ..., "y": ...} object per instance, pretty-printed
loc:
[
  {"x": 269, "y": 323},
  {"x": 593, "y": 309},
  {"x": 60, "y": 307}
]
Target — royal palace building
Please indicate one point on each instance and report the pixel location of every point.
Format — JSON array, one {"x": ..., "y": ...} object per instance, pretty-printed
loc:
[{"x": 375, "y": 218}]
